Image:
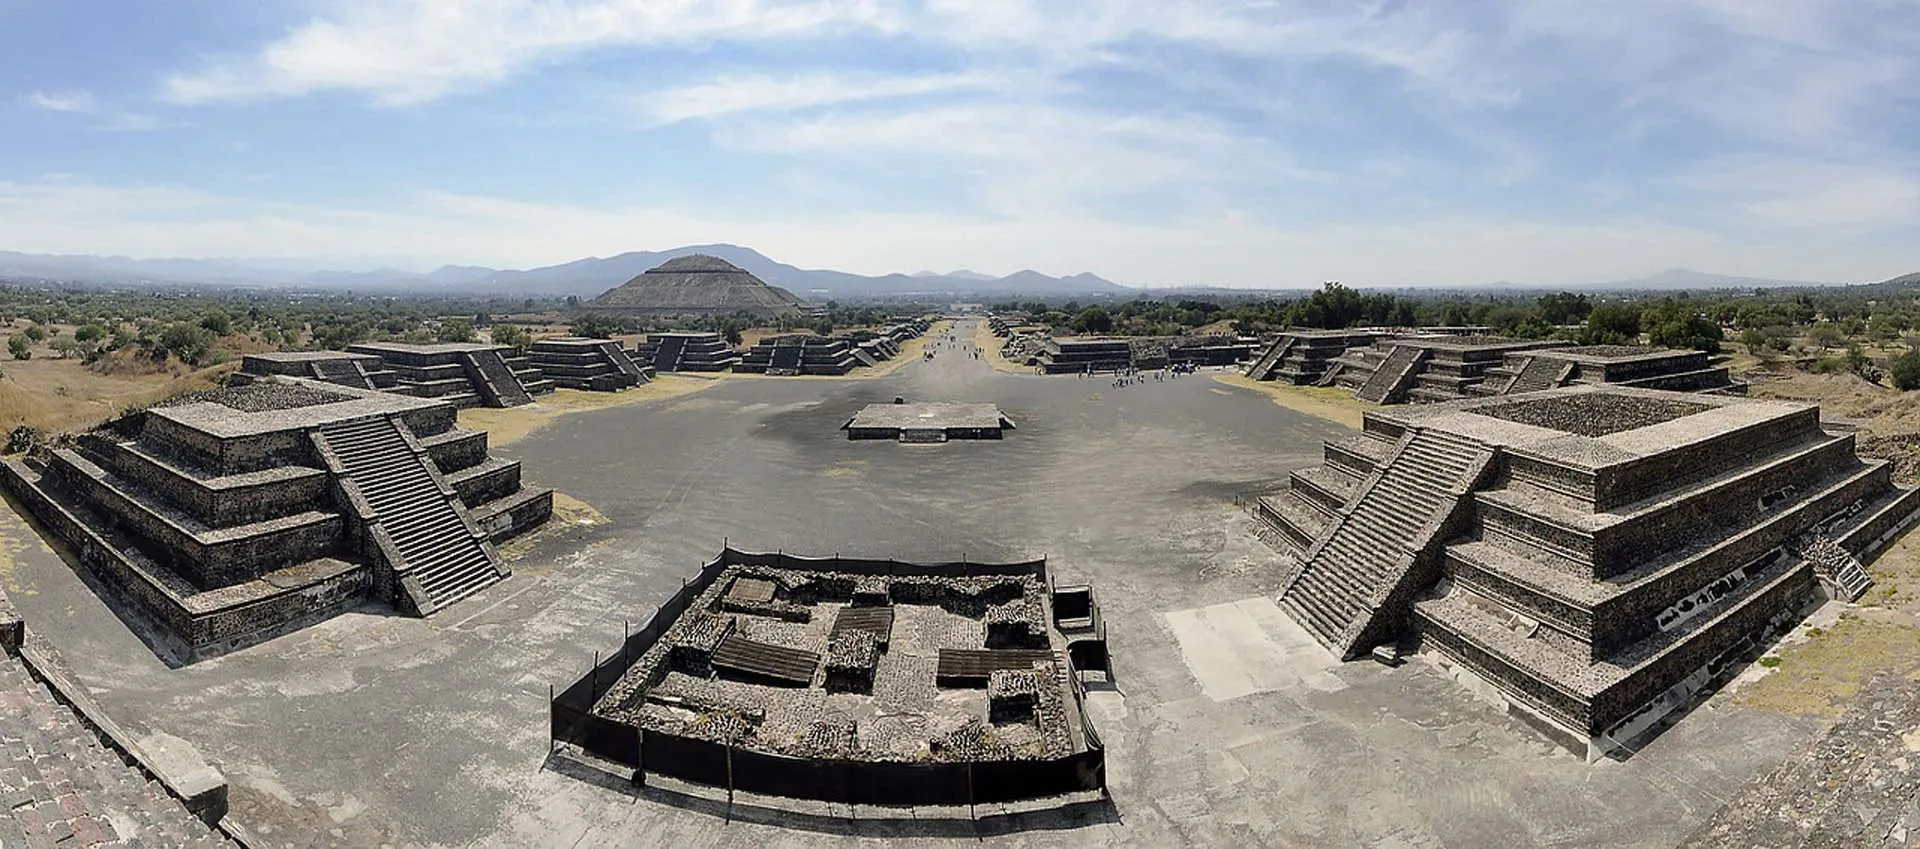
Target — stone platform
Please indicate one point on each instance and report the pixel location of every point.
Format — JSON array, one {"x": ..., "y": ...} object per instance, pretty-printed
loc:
[
  {"x": 1597, "y": 553},
  {"x": 464, "y": 374},
  {"x": 928, "y": 422},
  {"x": 599, "y": 365},
  {"x": 220, "y": 519}
]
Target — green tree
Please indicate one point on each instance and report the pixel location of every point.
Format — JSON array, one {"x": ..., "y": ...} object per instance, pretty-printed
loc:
[
  {"x": 511, "y": 335},
  {"x": 1093, "y": 320},
  {"x": 37, "y": 332},
  {"x": 89, "y": 333},
  {"x": 217, "y": 322},
  {"x": 1676, "y": 323},
  {"x": 17, "y": 346},
  {"x": 189, "y": 342},
  {"x": 1564, "y": 308},
  {"x": 455, "y": 330},
  {"x": 1826, "y": 335},
  {"x": 1612, "y": 324},
  {"x": 1906, "y": 370}
]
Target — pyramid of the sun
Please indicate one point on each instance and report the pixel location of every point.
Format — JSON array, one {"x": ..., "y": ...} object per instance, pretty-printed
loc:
[{"x": 695, "y": 285}]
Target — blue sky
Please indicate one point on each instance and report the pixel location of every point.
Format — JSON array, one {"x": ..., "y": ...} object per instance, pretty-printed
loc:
[{"x": 1161, "y": 142}]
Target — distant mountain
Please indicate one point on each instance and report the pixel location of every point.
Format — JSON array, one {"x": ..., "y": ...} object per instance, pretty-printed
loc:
[
  {"x": 1674, "y": 279},
  {"x": 586, "y": 277}
]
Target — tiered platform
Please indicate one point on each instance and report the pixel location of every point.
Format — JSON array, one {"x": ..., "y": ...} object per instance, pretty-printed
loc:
[
  {"x": 1428, "y": 367},
  {"x": 1307, "y": 357},
  {"x": 463, "y": 374},
  {"x": 359, "y": 371},
  {"x": 800, "y": 354},
  {"x": 1598, "y": 553},
  {"x": 1074, "y": 355},
  {"x": 228, "y": 517},
  {"x": 670, "y": 352},
  {"x": 1209, "y": 351},
  {"x": 599, "y": 365},
  {"x": 1621, "y": 365}
]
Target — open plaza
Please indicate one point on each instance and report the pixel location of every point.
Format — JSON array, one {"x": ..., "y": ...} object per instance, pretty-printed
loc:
[{"x": 900, "y": 638}]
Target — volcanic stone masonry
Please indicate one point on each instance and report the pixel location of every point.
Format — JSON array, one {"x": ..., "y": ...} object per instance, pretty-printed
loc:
[
  {"x": 464, "y": 374},
  {"x": 1598, "y": 553},
  {"x": 797, "y": 354},
  {"x": 909, "y": 670},
  {"x": 224, "y": 518},
  {"x": 1307, "y": 357},
  {"x": 1426, "y": 368},
  {"x": 1068, "y": 356},
  {"x": 594, "y": 364},
  {"x": 927, "y": 422},
  {"x": 668, "y": 352}
]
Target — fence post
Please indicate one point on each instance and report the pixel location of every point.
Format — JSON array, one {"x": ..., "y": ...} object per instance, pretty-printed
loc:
[
  {"x": 551, "y": 743},
  {"x": 729, "y": 745},
  {"x": 973, "y": 816},
  {"x": 595, "y": 675}
]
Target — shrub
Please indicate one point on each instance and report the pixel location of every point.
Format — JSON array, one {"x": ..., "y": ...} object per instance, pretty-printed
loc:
[
  {"x": 1906, "y": 370},
  {"x": 17, "y": 346}
]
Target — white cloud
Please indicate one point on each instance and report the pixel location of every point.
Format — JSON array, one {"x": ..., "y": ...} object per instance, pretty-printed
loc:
[
  {"x": 1228, "y": 248},
  {"x": 70, "y": 101},
  {"x": 735, "y": 94}
]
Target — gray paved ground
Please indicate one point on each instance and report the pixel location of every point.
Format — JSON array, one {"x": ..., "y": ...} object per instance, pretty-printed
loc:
[{"x": 1228, "y": 727}]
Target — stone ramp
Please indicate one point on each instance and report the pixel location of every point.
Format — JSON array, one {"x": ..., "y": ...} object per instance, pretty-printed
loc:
[
  {"x": 666, "y": 356},
  {"x": 440, "y": 558},
  {"x": 1367, "y": 555},
  {"x": 618, "y": 356},
  {"x": 1262, "y": 369},
  {"x": 343, "y": 372},
  {"x": 494, "y": 380},
  {"x": 1539, "y": 373},
  {"x": 1389, "y": 382},
  {"x": 59, "y": 786}
]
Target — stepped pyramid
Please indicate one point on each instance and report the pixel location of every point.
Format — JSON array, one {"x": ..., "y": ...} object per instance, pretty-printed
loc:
[
  {"x": 695, "y": 285},
  {"x": 1599, "y": 554}
]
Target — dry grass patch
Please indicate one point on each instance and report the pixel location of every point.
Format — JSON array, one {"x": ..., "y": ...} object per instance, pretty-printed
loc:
[
  {"x": 989, "y": 346},
  {"x": 506, "y": 425},
  {"x": 62, "y": 395},
  {"x": 1327, "y": 402},
  {"x": 1821, "y": 675}
]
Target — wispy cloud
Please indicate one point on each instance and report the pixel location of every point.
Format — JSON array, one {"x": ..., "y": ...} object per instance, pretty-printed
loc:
[
  {"x": 736, "y": 94},
  {"x": 83, "y": 103},
  {"x": 69, "y": 101}
]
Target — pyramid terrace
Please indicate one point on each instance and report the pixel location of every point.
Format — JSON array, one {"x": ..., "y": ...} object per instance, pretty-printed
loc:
[
  {"x": 1597, "y": 553},
  {"x": 227, "y": 517}
]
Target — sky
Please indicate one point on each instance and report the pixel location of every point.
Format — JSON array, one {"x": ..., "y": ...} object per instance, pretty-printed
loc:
[{"x": 1260, "y": 143}]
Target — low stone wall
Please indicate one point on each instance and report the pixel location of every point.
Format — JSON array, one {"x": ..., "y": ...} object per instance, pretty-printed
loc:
[
  {"x": 515, "y": 514},
  {"x": 464, "y": 451}
]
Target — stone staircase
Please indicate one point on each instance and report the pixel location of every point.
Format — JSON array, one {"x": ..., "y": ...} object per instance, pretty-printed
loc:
[
  {"x": 340, "y": 372},
  {"x": 666, "y": 357},
  {"x": 1332, "y": 375},
  {"x": 59, "y": 786},
  {"x": 1539, "y": 373},
  {"x": 1843, "y": 570},
  {"x": 440, "y": 558},
  {"x": 496, "y": 383},
  {"x": 625, "y": 364},
  {"x": 786, "y": 359},
  {"x": 1389, "y": 382},
  {"x": 1367, "y": 553},
  {"x": 1262, "y": 369}
]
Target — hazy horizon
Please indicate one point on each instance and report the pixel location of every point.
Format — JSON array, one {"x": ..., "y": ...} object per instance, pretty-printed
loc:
[{"x": 1153, "y": 144}]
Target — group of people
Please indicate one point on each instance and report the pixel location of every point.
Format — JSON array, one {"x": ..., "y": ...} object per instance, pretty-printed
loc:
[{"x": 1131, "y": 376}]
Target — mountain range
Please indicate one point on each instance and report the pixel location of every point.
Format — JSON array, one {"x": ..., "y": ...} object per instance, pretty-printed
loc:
[
  {"x": 591, "y": 276},
  {"x": 583, "y": 277}
]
